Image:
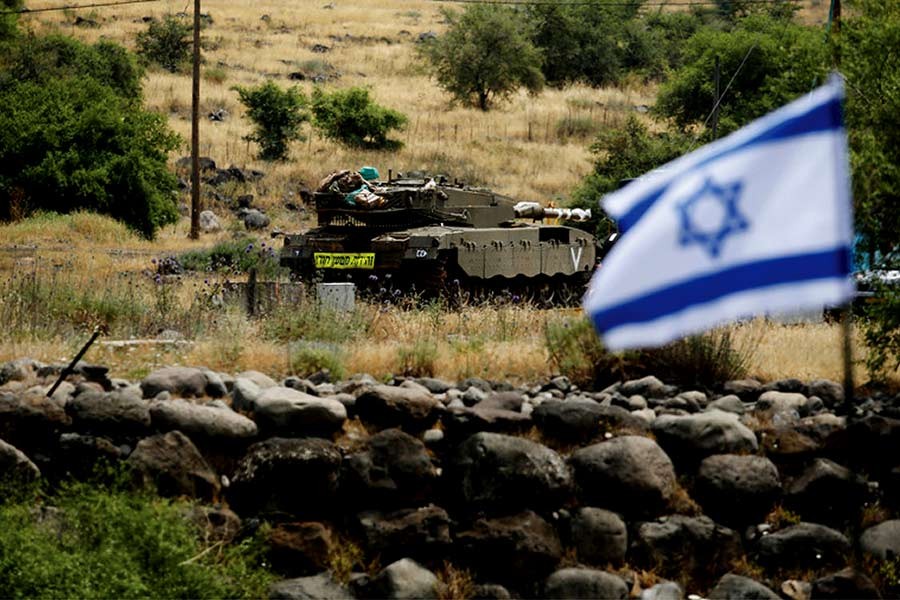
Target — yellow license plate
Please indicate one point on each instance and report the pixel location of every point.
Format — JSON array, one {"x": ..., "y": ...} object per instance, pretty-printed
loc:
[{"x": 344, "y": 260}]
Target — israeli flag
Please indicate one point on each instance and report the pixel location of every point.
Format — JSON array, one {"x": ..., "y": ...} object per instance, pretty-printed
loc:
[{"x": 755, "y": 223}]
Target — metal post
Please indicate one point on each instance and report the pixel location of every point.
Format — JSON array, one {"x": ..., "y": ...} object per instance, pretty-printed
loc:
[
  {"x": 846, "y": 332},
  {"x": 715, "y": 120},
  {"x": 195, "y": 129}
]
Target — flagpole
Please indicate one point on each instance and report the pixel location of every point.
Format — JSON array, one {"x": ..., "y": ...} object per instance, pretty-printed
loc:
[{"x": 846, "y": 332}]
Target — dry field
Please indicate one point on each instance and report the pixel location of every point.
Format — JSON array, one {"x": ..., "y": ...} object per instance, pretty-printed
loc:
[{"x": 519, "y": 149}]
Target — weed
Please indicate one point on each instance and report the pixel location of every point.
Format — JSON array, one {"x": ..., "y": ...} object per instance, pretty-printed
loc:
[
  {"x": 215, "y": 75},
  {"x": 310, "y": 358},
  {"x": 454, "y": 583},
  {"x": 780, "y": 517},
  {"x": 682, "y": 503},
  {"x": 576, "y": 126},
  {"x": 873, "y": 514},
  {"x": 344, "y": 557},
  {"x": 418, "y": 359}
]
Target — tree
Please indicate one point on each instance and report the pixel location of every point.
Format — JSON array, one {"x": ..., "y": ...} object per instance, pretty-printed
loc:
[
  {"x": 73, "y": 135},
  {"x": 277, "y": 115},
  {"x": 485, "y": 55},
  {"x": 166, "y": 43},
  {"x": 8, "y": 21},
  {"x": 353, "y": 118}
]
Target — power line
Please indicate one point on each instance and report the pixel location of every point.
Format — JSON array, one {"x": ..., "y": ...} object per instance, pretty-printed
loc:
[{"x": 73, "y": 7}]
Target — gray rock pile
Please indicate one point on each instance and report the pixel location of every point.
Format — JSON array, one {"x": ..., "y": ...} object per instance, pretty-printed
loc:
[{"x": 640, "y": 490}]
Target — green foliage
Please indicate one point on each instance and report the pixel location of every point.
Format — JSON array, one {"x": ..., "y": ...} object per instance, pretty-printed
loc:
[
  {"x": 882, "y": 332},
  {"x": 312, "y": 358},
  {"x": 418, "y": 359},
  {"x": 312, "y": 321},
  {"x": 9, "y": 22},
  {"x": 781, "y": 61},
  {"x": 277, "y": 114},
  {"x": 73, "y": 136},
  {"x": 576, "y": 352},
  {"x": 166, "y": 43},
  {"x": 700, "y": 361},
  {"x": 351, "y": 117},
  {"x": 89, "y": 542},
  {"x": 485, "y": 55},
  {"x": 235, "y": 256}
]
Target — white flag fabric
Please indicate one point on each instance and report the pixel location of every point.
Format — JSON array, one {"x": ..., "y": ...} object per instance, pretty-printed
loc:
[{"x": 755, "y": 223}]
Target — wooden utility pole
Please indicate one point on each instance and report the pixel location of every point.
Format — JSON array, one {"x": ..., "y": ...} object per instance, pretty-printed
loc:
[
  {"x": 715, "y": 120},
  {"x": 195, "y": 129}
]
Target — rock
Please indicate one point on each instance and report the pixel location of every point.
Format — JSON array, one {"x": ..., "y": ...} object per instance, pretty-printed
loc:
[
  {"x": 419, "y": 533},
  {"x": 262, "y": 380},
  {"x": 316, "y": 587},
  {"x": 435, "y": 386},
  {"x": 494, "y": 471},
  {"x": 737, "y": 490},
  {"x": 116, "y": 414},
  {"x": 244, "y": 394},
  {"x": 510, "y": 549},
  {"x": 284, "y": 411},
  {"x": 184, "y": 382},
  {"x": 693, "y": 437},
  {"x": 804, "y": 545},
  {"x": 473, "y": 396},
  {"x": 667, "y": 590},
  {"x": 301, "y": 385},
  {"x": 475, "y": 382},
  {"x": 831, "y": 392},
  {"x": 296, "y": 549},
  {"x": 577, "y": 420},
  {"x": 402, "y": 580},
  {"x": 826, "y": 492},
  {"x": 490, "y": 591},
  {"x": 83, "y": 456},
  {"x": 882, "y": 541},
  {"x": 747, "y": 390},
  {"x": 266, "y": 478},
  {"x": 598, "y": 536},
  {"x": 255, "y": 219},
  {"x": 461, "y": 422},
  {"x": 30, "y": 420},
  {"x": 388, "y": 406},
  {"x": 511, "y": 401},
  {"x": 584, "y": 583},
  {"x": 790, "y": 385},
  {"x": 409, "y": 384},
  {"x": 199, "y": 421},
  {"x": 738, "y": 587},
  {"x": 683, "y": 545},
  {"x": 846, "y": 583},
  {"x": 393, "y": 470},
  {"x": 777, "y": 402},
  {"x": 174, "y": 466},
  {"x": 15, "y": 370},
  {"x": 216, "y": 523},
  {"x": 629, "y": 474},
  {"x": 648, "y": 387},
  {"x": 16, "y": 468},
  {"x": 209, "y": 223},
  {"x": 216, "y": 386},
  {"x": 730, "y": 403}
]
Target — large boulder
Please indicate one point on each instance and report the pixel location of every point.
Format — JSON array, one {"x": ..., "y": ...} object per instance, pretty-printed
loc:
[
  {"x": 831, "y": 392},
  {"x": 510, "y": 549},
  {"x": 577, "y": 420},
  {"x": 30, "y": 420},
  {"x": 392, "y": 470},
  {"x": 649, "y": 387},
  {"x": 826, "y": 492},
  {"x": 846, "y": 583},
  {"x": 316, "y": 587},
  {"x": 686, "y": 545},
  {"x": 389, "y": 406},
  {"x": 183, "y": 382},
  {"x": 599, "y": 536},
  {"x": 214, "y": 422},
  {"x": 690, "y": 438},
  {"x": 404, "y": 579},
  {"x": 738, "y": 587},
  {"x": 737, "y": 490},
  {"x": 84, "y": 456},
  {"x": 173, "y": 465},
  {"x": 244, "y": 394},
  {"x": 287, "y": 476},
  {"x": 296, "y": 549},
  {"x": 777, "y": 402},
  {"x": 461, "y": 422},
  {"x": 501, "y": 472},
  {"x": 419, "y": 533},
  {"x": 118, "y": 414},
  {"x": 15, "y": 467},
  {"x": 584, "y": 583},
  {"x": 286, "y": 412},
  {"x": 804, "y": 545},
  {"x": 882, "y": 541},
  {"x": 629, "y": 474}
]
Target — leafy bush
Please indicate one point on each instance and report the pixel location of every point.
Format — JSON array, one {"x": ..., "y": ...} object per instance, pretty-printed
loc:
[
  {"x": 576, "y": 351},
  {"x": 9, "y": 22},
  {"x": 73, "y": 136},
  {"x": 234, "y": 256},
  {"x": 86, "y": 542},
  {"x": 166, "y": 43},
  {"x": 882, "y": 332},
  {"x": 699, "y": 361},
  {"x": 277, "y": 114},
  {"x": 485, "y": 55},
  {"x": 308, "y": 359},
  {"x": 352, "y": 118},
  {"x": 418, "y": 359},
  {"x": 311, "y": 321}
]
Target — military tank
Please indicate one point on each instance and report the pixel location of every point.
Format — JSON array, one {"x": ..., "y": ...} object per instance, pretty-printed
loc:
[{"x": 432, "y": 236}]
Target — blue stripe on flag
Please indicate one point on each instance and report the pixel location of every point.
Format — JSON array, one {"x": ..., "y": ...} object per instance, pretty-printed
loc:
[
  {"x": 825, "y": 117},
  {"x": 699, "y": 290}
]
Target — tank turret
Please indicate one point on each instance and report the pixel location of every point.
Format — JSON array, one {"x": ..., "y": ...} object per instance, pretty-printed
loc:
[{"x": 431, "y": 234}]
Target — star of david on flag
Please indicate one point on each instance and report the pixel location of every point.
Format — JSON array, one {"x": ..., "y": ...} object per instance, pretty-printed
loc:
[{"x": 758, "y": 222}]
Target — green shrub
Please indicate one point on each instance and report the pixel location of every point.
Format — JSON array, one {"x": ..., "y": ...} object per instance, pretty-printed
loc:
[
  {"x": 576, "y": 351},
  {"x": 312, "y": 358},
  {"x": 235, "y": 256},
  {"x": 701, "y": 361},
  {"x": 351, "y": 117},
  {"x": 310, "y": 321},
  {"x": 89, "y": 542},
  {"x": 418, "y": 359},
  {"x": 277, "y": 115},
  {"x": 881, "y": 328},
  {"x": 576, "y": 126},
  {"x": 9, "y": 22},
  {"x": 215, "y": 75},
  {"x": 166, "y": 43}
]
